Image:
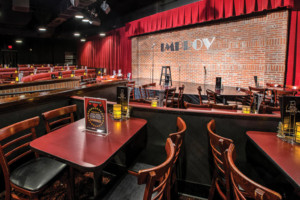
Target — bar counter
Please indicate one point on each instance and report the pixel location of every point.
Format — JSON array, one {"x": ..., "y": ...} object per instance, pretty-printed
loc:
[{"x": 58, "y": 93}]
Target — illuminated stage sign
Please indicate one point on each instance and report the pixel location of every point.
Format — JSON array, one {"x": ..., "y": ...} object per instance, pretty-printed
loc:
[{"x": 197, "y": 44}]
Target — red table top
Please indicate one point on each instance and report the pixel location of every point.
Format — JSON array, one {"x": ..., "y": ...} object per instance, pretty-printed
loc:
[
  {"x": 285, "y": 155},
  {"x": 74, "y": 145}
]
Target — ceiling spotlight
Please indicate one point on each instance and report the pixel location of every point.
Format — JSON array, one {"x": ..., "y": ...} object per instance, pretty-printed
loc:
[
  {"x": 42, "y": 29},
  {"x": 85, "y": 20},
  {"x": 76, "y": 34},
  {"x": 82, "y": 40},
  {"x": 105, "y": 7},
  {"x": 79, "y": 16},
  {"x": 102, "y": 34},
  {"x": 19, "y": 41}
]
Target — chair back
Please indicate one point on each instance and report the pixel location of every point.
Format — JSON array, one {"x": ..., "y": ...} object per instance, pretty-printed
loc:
[
  {"x": 249, "y": 98},
  {"x": 170, "y": 94},
  {"x": 181, "y": 129},
  {"x": 219, "y": 145},
  {"x": 157, "y": 179},
  {"x": 180, "y": 96},
  {"x": 55, "y": 119},
  {"x": 250, "y": 189},
  {"x": 280, "y": 93},
  {"x": 199, "y": 93},
  {"x": 16, "y": 147},
  {"x": 260, "y": 91},
  {"x": 197, "y": 107},
  {"x": 230, "y": 108},
  {"x": 293, "y": 87},
  {"x": 145, "y": 92},
  {"x": 131, "y": 84},
  {"x": 274, "y": 85},
  {"x": 211, "y": 96}
]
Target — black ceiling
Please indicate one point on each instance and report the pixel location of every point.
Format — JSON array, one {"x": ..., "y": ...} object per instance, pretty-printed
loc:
[{"x": 58, "y": 16}]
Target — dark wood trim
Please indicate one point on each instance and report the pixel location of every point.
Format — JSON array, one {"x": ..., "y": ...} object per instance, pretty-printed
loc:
[{"x": 33, "y": 83}]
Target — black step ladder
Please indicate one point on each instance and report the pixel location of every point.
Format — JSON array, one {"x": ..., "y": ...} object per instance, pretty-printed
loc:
[{"x": 165, "y": 71}]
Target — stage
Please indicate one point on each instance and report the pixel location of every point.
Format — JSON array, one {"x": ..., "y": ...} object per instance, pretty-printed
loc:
[{"x": 191, "y": 95}]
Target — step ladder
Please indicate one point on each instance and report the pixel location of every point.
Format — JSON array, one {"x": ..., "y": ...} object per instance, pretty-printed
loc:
[{"x": 165, "y": 71}]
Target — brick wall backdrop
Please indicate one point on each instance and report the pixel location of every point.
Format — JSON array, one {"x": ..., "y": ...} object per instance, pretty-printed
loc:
[{"x": 235, "y": 50}]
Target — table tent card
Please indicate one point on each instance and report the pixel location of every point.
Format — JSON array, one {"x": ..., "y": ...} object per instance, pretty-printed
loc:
[{"x": 95, "y": 112}]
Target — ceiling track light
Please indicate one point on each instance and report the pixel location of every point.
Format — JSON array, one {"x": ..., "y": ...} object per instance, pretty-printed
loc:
[
  {"x": 102, "y": 34},
  {"x": 76, "y": 34},
  {"x": 19, "y": 41},
  {"x": 42, "y": 29},
  {"x": 85, "y": 20},
  {"x": 79, "y": 16}
]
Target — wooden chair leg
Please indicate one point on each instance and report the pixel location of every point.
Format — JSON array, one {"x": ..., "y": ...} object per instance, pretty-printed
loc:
[
  {"x": 8, "y": 194},
  {"x": 212, "y": 187}
]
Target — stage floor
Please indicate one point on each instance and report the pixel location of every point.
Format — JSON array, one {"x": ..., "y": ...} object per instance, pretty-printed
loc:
[{"x": 191, "y": 88}]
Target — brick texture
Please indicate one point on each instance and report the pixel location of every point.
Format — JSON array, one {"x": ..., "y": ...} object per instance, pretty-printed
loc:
[{"x": 242, "y": 48}]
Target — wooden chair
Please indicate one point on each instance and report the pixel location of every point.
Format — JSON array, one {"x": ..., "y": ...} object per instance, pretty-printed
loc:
[
  {"x": 131, "y": 84},
  {"x": 274, "y": 85},
  {"x": 146, "y": 93},
  {"x": 169, "y": 97},
  {"x": 211, "y": 97},
  {"x": 196, "y": 106},
  {"x": 32, "y": 177},
  {"x": 59, "y": 113},
  {"x": 177, "y": 139},
  {"x": 220, "y": 180},
  {"x": 262, "y": 91},
  {"x": 243, "y": 187},
  {"x": 279, "y": 93},
  {"x": 178, "y": 99},
  {"x": 199, "y": 88},
  {"x": 155, "y": 179}
]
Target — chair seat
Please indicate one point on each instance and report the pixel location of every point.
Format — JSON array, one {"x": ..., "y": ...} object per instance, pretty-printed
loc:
[
  {"x": 139, "y": 166},
  {"x": 35, "y": 174},
  {"x": 127, "y": 189}
]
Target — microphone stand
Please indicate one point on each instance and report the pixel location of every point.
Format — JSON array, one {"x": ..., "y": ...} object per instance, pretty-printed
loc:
[{"x": 152, "y": 63}]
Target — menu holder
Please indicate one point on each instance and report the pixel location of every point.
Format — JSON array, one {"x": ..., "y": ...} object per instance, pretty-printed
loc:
[{"x": 95, "y": 112}]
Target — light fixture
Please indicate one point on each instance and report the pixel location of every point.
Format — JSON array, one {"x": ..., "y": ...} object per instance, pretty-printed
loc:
[
  {"x": 79, "y": 16},
  {"x": 105, "y": 7},
  {"x": 42, "y": 29},
  {"x": 102, "y": 34},
  {"x": 85, "y": 20},
  {"x": 76, "y": 34},
  {"x": 19, "y": 41},
  {"x": 82, "y": 39}
]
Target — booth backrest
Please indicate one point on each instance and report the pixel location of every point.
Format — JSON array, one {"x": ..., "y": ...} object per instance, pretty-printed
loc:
[{"x": 37, "y": 77}]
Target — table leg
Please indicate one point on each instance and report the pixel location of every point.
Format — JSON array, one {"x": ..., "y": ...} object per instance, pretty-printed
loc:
[
  {"x": 97, "y": 183},
  {"x": 70, "y": 186}
]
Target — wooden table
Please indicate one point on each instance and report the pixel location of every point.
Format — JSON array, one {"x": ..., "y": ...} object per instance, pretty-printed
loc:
[
  {"x": 285, "y": 155},
  {"x": 84, "y": 150}
]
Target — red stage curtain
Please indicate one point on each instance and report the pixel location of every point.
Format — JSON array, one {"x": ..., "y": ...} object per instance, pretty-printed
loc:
[
  {"x": 112, "y": 52},
  {"x": 200, "y": 11},
  {"x": 293, "y": 64}
]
